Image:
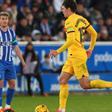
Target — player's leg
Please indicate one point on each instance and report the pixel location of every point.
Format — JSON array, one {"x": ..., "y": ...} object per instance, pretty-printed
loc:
[
  {"x": 10, "y": 76},
  {"x": 28, "y": 78},
  {"x": 10, "y": 92},
  {"x": 86, "y": 83},
  {"x": 1, "y": 84},
  {"x": 63, "y": 95},
  {"x": 66, "y": 74},
  {"x": 39, "y": 79}
]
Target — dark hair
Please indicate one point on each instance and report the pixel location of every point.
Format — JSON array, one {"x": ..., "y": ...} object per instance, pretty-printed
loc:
[
  {"x": 70, "y": 4},
  {"x": 4, "y": 13},
  {"x": 34, "y": 55}
]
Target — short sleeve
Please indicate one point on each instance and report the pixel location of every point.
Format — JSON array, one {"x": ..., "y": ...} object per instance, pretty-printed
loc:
[{"x": 14, "y": 41}]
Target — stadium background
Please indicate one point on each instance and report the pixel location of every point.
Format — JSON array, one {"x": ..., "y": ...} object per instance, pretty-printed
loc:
[{"x": 41, "y": 22}]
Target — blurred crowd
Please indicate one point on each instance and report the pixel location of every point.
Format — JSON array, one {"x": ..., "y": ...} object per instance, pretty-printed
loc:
[{"x": 42, "y": 20}]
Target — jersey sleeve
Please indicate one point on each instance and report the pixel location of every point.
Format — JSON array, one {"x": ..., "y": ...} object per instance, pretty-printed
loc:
[
  {"x": 86, "y": 23},
  {"x": 68, "y": 43},
  {"x": 69, "y": 27},
  {"x": 82, "y": 23},
  {"x": 14, "y": 41}
]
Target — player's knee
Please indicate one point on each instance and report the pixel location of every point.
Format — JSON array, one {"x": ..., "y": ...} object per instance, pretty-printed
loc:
[
  {"x": 12, "y": 85},
  {"x": 62, "y": 81},
  {"x": 85, "y": 86},
  {"x": 1, "y": 83}
]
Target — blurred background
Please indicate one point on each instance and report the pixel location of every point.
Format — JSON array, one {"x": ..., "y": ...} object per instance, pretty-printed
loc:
[{"x": 39, "y": 25}]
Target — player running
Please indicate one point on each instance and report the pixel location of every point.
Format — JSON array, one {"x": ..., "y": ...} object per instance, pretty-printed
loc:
[
  {"x": 75, "y": 27},
  {"x": 8, "y": 43}
]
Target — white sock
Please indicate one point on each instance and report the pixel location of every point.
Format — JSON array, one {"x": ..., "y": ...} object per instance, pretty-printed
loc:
[
  {"x": 7, "y": 106},
  {"x": 0, "y": 107},
  {"x": 62, "y": 110}
]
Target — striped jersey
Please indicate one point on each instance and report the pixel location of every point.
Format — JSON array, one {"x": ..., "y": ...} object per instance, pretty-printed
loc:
[{"x": 7, "y": 43}]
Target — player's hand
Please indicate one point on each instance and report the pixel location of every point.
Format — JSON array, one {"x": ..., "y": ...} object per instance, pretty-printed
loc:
[
  {"x": 89, "y": 52},
  {"x": 24, "y": 64},
  {"x": 53, "y": 53}
]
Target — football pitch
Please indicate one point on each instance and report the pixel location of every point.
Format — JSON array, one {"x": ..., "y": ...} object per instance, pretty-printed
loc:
[{"x": 76, "y": 103}]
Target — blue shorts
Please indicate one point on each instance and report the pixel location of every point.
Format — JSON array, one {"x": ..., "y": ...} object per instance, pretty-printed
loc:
[{"x": 7, "y": 71}]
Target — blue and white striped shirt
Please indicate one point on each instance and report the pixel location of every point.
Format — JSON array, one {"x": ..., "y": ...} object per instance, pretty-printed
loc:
[{"x": 7, "y": 43}]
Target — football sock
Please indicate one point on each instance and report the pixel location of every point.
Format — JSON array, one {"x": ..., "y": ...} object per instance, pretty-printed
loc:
[
  {"x": 0, "y": 97},
  {"x": 9, "y": 96},
  {"x": 62, "y": 110},
  {"x": 100, "y": 84},
  {"x": 7, "y": 106},
  {"x": 63, "y": 95}
]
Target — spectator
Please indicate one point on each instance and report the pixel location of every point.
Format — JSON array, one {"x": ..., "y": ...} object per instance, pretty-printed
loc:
[
  {"x": 49, "y": 66},
  {"x": 36, "y": 35},
  {"x": 32, "y": 68},
  {"x": 14, "y": 12},
  {"x": 35, "y": 12},
  {"x": 83, "y": 11},
  {"x": 60, "y": 36},
  {"x": 44, "y": 26},
  {"x": 31, "y": 24},
  {"x": 95, "y": 14},
  {"x": 109, "y": 27},
  {"x": 22, "y": 13},
  {"x": 104, "y": 34},
  {"x": 57, "y": 5},
  {"x": 46, "y": 37},
  {"x": 46, "y": 64},
  {"x": 22, "y": 28}
]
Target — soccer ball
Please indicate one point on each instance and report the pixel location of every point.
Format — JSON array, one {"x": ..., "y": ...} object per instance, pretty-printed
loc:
[{"x": 41, "y": 108}]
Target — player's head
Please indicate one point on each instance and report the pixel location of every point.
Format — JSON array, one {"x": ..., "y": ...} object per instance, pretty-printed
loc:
[
  {"x": 68, "y": 6},
  {"x": 4, "y": 19}
]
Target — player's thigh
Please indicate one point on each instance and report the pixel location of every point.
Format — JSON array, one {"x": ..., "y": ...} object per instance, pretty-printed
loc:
[
  {"x": 67, "y": 72},
  {"x": 80, "y": 70},
  {"x": 67, "y": 67},
  {"x": 2, "y": 71},
  {"x": 10, "y": 73}
]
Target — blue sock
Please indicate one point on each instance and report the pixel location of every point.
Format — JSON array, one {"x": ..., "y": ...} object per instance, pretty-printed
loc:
[
  {"x": 9, "y": 95},
  {"x": 0, "y": 96}
]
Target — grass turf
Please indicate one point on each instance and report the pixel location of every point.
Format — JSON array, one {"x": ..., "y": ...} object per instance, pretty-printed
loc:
[{"x": 76, "y": 103}]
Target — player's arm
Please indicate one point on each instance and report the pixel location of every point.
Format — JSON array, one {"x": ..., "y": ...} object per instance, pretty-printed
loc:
[
  {"x": 68, "y": 43},
  {"x": 17, "y": 49},
  {"x": 19, "y": 54},
  {"x": 93, "y": 35}
]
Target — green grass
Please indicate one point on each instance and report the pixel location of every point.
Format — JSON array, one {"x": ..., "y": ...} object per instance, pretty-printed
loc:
[{"x": 76, "y": 103}]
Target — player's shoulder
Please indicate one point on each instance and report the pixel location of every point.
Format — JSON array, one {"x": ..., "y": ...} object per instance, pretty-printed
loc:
[
  {"x": 11, "y": 29},
  {"x": 69, "y": 21},
  {"x": 83, "y": 20},
  {"x": 79, "y": 17}
]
